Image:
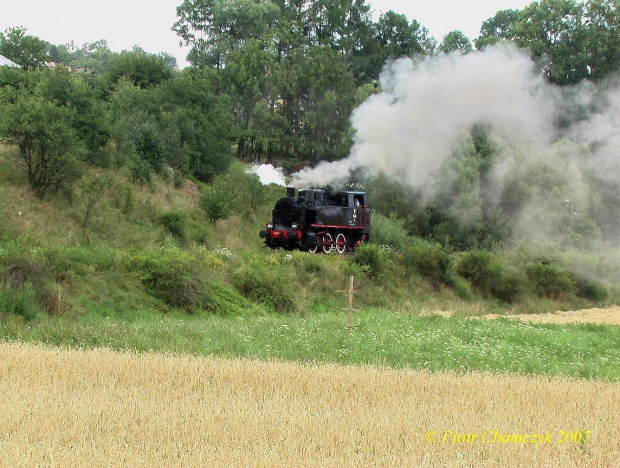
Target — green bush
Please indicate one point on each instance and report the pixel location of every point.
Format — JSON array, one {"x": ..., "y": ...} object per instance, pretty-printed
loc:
[
  {"x": 590, "y": 289},
  {"x": 462, "y": 288},
  {"x": 21, "y": 301},
  {"x": 268, "y": 287},
  {"x": 509, "y": 285},
  {"x": 313, "y": 264},
  {"x": 431, "y": 261},
  {"x": 141, "y": 171},
  {"x": 34, "y": 274},
  {"x": 174, "y": 222},
  {"x": 181, "y": 281},
  {"x": 491, "y": 275},
  {"x": 389, "y": 231},
  {"x": 479, "y": 267},
  {"x": 369, "y": 258},
  {"x": 550, "y": 280}
]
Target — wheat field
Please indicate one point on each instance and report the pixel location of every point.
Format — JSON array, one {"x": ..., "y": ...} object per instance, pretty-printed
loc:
[{"x": 63, "y": 408}]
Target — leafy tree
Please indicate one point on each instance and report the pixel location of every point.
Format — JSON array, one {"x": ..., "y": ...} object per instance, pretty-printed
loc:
[
  {"x": 602, "y": 20},
  {"x": 49, "y": 149},
  {"x": 400, "y": 38},
  {"x": 72, "y": 91},
  {"x": 143, "y": 69},
  {"x": 92, "y": 57},
  {"x": 214, "y": 28},
  {"x": 181, "y": 123},
  {"x": 27, "y": 51},
  {"x": 218, "y": 200},
  {"x": 203, "y": 120},
  {"x": 500, "y": 27},
  {"x": 456, "y": 41},
  {"x": 90, "y": 191},
  {"x": 554, "y": 29},
  {"x": 571, "y": 40}
]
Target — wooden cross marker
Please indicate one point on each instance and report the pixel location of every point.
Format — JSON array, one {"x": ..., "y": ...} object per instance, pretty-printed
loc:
[{"x": 351, "y": 291}]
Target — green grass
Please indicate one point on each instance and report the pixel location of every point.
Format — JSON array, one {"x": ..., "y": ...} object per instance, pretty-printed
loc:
[
  {"x": 379, "y": 338},
  {"x": 140, "y": 278}
]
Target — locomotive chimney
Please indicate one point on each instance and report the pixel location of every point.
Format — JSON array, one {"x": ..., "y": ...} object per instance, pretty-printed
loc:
[{"x": 290, "y": 192}]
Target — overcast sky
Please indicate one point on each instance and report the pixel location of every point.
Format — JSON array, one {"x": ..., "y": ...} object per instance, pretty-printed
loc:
[{"x": 125, "y": 23}]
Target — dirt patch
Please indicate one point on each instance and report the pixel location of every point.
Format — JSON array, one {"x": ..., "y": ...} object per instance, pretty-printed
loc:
[{"x": 607, "y": 316}]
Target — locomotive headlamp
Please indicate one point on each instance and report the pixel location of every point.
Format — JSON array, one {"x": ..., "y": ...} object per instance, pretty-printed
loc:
[
  {"x": 295, "y": 226},
  {"x": 269, "y": 226}
]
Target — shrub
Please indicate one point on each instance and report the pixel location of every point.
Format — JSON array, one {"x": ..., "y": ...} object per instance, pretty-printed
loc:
[
  {"x": 462, "y": 288},
  {"x": 22, "y": 273},
  {"x": 431, "y": 261},
  {"x": 174, "y": 222},
  {"x": 550, "y": 280},
  {"x": 509, "y": 285},
  {"x": 369, "y": 258},
  {"x": 268, "y": 287},
  {"x": 479, "y": 267},
  {"x": 491, "y": 275},
  {"x": 590, "y": 289},
  {"x": 20, "y": 301},
  {"x": 181, "y": 281},
  {"x": 389, "y": 231},
  {"x": 141, "y": 171},
  {"x": 313, "y": 264}
]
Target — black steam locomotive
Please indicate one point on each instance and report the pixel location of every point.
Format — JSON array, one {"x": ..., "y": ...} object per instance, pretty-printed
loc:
[{"x": 319, "y": 221}]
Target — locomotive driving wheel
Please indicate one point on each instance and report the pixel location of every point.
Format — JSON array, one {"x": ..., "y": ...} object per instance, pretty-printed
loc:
[
  {"x": 318, "y": 245},
  {"x": 341, "y": 243},
  {"x": 328, "y": 242}
]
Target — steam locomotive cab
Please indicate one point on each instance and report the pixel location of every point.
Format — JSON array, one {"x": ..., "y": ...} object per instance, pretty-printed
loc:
[{"x": 318, "y": 221}]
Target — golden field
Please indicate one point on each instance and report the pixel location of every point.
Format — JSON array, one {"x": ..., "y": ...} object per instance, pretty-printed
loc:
[{"x": 102, "y": 408}]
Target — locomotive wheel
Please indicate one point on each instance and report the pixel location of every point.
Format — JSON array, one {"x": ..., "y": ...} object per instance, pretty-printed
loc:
[
  {"x": 318, "y": 247},
  {"x": 328, "y": 242},
  {"x": 341, "y": 243}
]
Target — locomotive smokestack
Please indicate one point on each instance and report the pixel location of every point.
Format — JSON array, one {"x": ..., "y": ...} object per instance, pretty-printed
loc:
[{"x": 290, "y": 192}]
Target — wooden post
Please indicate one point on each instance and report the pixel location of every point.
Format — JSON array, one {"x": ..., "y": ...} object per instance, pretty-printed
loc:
[
  {"x": 351, "y": 291},
  {"x": 350, "y": 302}
]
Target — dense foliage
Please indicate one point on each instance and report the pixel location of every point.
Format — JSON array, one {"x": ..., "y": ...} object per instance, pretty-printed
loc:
[{"x": 278, "y": 81}]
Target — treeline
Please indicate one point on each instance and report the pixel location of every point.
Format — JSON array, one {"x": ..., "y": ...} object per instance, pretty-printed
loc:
[{"x": 270, "y": 80}]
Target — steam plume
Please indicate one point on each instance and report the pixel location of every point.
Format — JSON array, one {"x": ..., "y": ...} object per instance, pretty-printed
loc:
[
  {"x": 408, "y": 130},
  {"x": 428, "y": 108}
]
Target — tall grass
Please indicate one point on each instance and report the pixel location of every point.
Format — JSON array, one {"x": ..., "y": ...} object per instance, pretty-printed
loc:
[
  {"x": 102, "y": 408},
  {"x": 379, "y": 338}
]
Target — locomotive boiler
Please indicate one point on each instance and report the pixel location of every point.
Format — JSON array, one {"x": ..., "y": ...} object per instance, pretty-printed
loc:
[{"x": 319, "y": 221}]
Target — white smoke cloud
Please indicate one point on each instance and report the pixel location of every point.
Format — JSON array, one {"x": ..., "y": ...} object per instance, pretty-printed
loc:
[
  {"x": 267, "y": 174},
  {"x": 408, "y": 130},
  {"x": 602, "y": 132},
  {"x": 428, "y": 108}
]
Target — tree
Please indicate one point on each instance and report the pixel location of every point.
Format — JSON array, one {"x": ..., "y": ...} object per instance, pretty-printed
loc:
[
  {"x": 49, "y": 149},
  {"x": 90, "y": 191},
  {"x": 91, "y": 57},
  {"x": 500, "y": 27},
  {"x": 214, "y": 28},
  {"x": 181, "y": 123},
  {"x": 68, "y": 90},
  {"x": 217, "y": 200},
  {"x": 400, "y": 38},
  {"x": 554, "y": 32},
  {"x": 602, "y": 21},
  {"x": 143, "y": 69},
  {"x": 456, "y": 41},
  {"x": 27, "y": 51}
]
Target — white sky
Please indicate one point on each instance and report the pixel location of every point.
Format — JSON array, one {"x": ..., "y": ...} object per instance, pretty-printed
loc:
[{"x": 147, "y": 23}]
